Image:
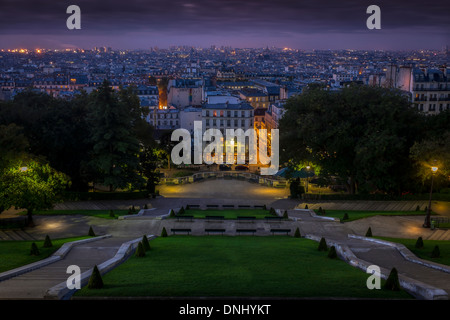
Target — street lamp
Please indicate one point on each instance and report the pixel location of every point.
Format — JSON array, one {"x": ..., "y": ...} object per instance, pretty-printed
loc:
[
  {"x": 427, "y": 223},
  {"x": 307, "y": 178}
]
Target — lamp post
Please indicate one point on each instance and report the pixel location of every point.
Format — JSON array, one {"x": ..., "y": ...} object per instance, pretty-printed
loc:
[
  {"x": 307, "y": 178},
  {"x": 427, "y": 223}
]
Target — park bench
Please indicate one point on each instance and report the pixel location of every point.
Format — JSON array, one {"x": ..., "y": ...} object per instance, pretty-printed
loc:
[
  {"x": 258, "y": 207},
  {"x": 212, "y": 205},
  {"x": 183, "y": 217},
  {"x": 174, "y": 231},
  {"x": 286, "y": 231},
  {"x": 193, "y": 206},
  {"x": 271, "y": 218},
  {"x": 252, "y": 231},
  {"x": 221, "y": 231},
  {"x": 244, "y": 206},
  {"x": 228, "y": 206},
  {"x": 214, "y": 218},
  {"x": 244, "y": 218}
]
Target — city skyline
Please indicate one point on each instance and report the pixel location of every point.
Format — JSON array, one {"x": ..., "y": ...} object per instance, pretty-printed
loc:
[{"x": 305, "y": 25}]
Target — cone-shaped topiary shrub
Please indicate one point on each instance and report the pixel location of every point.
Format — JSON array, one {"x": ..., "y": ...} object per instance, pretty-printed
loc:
[
  {"x": 320, "y": 211},
  {"x": 47, "y": 242},
  {"x": 181, "y": 211},
  {"x": 145, "y": 243},
  {"x": 419, "y": 243},
  {"x": 324, "y": 212},
  {"x": 272, "y": 211},
  {"x": 264, "y": 207},
  {"x": 392, "y": 282},
  {"x": 187, "y": 207},
  {"x": 140, "y": 251},
  {"x": 285, "y": 215},
  {"x": 111, "y": 214},
  {"x": 172, "y": 213},
  {"x": 426, "y": 209},
  {"x": 145, "y": 206},
  {"x": 345, "y": 216},
  {"x": 332, "y": 253},
  {"x": 369, "y": 232},
  {"x": 436, "y": 252},
  {"x": 322, "y": 245},
  {"x": 418, "y": 208},
  {"x": 95, "y": 281},
  {"x": 34, "y": 250},
  {"x": 297, "y": 233},
  {"x": 91, "y": 232},
  {"x": 306, "y": 206},
  {"x": 164, "y": 232}
]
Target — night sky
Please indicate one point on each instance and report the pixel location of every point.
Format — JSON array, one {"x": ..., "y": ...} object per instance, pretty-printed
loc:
[{"x": 141, "y": 24}]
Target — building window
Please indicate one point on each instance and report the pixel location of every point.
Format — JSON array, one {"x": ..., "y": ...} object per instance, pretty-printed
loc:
[{"x": 215, "y": 113}]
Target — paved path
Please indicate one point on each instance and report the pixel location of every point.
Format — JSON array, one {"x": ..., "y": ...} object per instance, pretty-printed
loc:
[{"x": 33, "y": 284}]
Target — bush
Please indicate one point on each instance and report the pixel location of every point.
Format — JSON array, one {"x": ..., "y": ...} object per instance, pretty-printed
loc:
[
  {"x": 297, "y": 233},
  {"x": 145, "y": 206},
  {"x": 436, "y": 252},
  {"x": 306, "y": 206},
  {"x": 419, "y": 243},
  {"x": 426, "y": 209},
  {"x": 322, "y": 245},
  {"x": 285, "y": 215},
  {"x": 164, "y": 232},
  {"x": 392, "y": 282},
  {"x": 320, "y": 211},
  {"x": 111, "y": 214},
  {"x": 332, "y": 254},
  {"x": 140, "y": 251},
  {"x": 91, "y": 232},
  {"x": 324, "y": 212},
  {"x": 418, "y": 208},
  {"x": 272, "y": 211},
  {"x": 187, "y": 207},
  {"x": 47, "y": 242},
  {"x": 95, "y": 281},
  {"x": 145, "y": 243},
  {"x": 172, "y": 213},
  {"x": 369, "y": 232},
  {"x": 264, "y": 207},
  {"x": 181, "y": 211},
  {"x": 345, "y": 216},
  {"x": 34, "y": 250}
]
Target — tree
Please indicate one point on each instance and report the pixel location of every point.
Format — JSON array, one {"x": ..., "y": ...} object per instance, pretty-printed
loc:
[
  {"x": 322, "y": 245},
  {"x": 419, "y": 243},
  {"x": 140, "y": 251},
  {"x": 115, "y": 147},
  {"x": 392, "y": 283},
  {"x": 34, "y": 186},
  {"x": 95, "y": 280},
  {"x": 432, "y": 152},
  {"x": 361, "y": 135},
  {"x": 47, "y": 242}
]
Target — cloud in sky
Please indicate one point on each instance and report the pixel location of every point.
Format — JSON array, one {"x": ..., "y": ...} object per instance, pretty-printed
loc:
[{"x": 139, "y": 23}]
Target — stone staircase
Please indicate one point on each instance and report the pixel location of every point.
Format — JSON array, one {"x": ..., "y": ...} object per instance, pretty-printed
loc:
[
  {"x": 15, "y": 235},
  {"x": 440, "y": 234}
]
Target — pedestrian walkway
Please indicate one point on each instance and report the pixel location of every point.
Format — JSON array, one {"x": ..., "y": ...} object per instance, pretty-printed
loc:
[{"x": 34, "y": 284}]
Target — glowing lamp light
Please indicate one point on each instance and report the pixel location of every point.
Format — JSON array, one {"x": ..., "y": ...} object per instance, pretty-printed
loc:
[
  {"x": 434, "y": 169},
  {"x": 23, "y": 169}
]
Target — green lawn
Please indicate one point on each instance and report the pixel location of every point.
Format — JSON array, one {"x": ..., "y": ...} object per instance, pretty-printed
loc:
[
  {"x": 14, "y": 254},
  {"x": 95, "y": 213},
  {"x": 355, "y": 215},
  {"x": 228, "y": 213},
  {"x": 243, "y": 266},
  {"x": 425, "y": 252}
]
